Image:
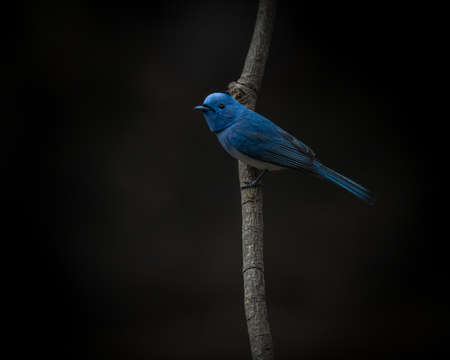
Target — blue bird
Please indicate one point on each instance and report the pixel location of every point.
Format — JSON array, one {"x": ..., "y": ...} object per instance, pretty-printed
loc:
[{"x": 258, "y": 142}]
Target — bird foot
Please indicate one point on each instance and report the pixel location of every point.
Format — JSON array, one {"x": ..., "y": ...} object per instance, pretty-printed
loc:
[
  {"x": 252, "y": 184},
  {"x": 256, "y": 182}
]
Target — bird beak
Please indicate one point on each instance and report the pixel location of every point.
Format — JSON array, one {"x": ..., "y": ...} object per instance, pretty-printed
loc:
[{"x": 201, "y": 107}]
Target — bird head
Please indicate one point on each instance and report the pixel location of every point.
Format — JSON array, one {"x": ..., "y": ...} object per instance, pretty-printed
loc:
[{"x": 220, "y": 111}]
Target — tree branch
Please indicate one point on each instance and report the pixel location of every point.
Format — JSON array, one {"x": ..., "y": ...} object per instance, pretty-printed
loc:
[{"x": 245, "y": 90}]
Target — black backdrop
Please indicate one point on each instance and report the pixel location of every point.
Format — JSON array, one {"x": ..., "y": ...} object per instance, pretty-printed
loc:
[{"x": 136, "y": 253}]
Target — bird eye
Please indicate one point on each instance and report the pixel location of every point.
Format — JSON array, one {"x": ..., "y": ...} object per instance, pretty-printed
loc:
[{"x": 221, "y": 106}]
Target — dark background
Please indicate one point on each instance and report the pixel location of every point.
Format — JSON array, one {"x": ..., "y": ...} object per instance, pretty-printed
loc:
[{"x": 134, "y": 248}]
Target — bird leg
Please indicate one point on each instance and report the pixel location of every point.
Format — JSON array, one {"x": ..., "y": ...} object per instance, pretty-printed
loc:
[{"x": 255, "y": 182}]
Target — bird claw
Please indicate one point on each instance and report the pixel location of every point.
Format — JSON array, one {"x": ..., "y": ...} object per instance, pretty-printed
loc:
[
  {"x": 253, "y": 184},
  {"x": 256, "y": 182}
]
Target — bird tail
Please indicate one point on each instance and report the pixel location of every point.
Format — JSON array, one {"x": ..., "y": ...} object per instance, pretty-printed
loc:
[{"x": 349, "y": 185}]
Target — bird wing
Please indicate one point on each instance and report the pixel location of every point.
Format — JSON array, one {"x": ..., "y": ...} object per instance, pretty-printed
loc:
[
  {"x": 303, "y": 148},
  {"x": 259, "y": 138}
]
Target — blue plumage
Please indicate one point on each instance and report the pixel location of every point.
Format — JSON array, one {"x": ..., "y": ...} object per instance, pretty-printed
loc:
[{"x": 255, "y": 140}]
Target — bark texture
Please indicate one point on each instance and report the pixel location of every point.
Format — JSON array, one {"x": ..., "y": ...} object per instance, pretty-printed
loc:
[{"x": 245, "y": 90}]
